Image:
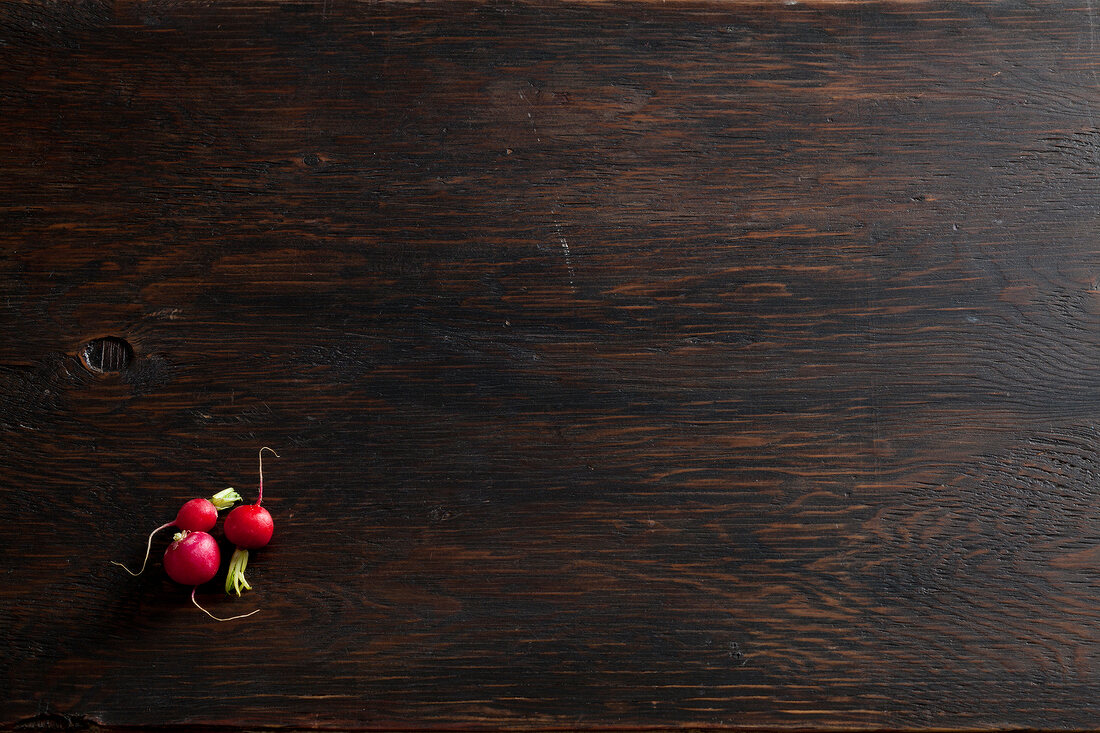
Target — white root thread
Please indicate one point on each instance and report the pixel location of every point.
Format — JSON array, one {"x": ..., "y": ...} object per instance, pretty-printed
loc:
[
  {"x": 261, "y": 495},
  {"x": 217, "y": 618},
  {"x": 148, "y": 549}
]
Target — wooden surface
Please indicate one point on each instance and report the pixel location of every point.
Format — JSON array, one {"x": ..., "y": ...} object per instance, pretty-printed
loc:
[{"x": 631, "y": 364}]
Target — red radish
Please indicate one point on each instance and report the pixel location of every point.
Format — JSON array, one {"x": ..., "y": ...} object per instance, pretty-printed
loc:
[
  {"x": 249, "y": 528},
  {"x": 197, "y": 515},
  {"x": 192, "y": 559}
]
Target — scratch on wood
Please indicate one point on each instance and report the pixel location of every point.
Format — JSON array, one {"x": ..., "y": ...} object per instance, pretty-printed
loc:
[{"x": 565, "y": 251}]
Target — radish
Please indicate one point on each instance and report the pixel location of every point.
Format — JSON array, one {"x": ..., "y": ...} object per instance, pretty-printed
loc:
[
  {"x": 249, "y": 528},
  {"x": 197, "y": 515},
  {"x": 192, "y": 559}
]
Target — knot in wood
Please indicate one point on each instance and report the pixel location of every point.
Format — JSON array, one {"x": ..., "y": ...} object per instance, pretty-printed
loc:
[{"x": 107, "y": 354}]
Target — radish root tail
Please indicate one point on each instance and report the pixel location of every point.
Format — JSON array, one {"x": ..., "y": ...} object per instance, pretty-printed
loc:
[
  {"x": 234, "y": 580},
  {"x": 148, "y": 549},
  {"x": 261, "y": 495},
  {"x": 218, "y": 618}
]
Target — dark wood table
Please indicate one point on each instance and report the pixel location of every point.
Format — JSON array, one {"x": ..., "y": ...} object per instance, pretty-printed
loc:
[{"x": 631, "y": 364}]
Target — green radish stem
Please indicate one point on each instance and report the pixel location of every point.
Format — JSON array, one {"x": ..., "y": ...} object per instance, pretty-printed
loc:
[
  {"x": 225, "y": 498},
  {"x": 234, "y": 580}
]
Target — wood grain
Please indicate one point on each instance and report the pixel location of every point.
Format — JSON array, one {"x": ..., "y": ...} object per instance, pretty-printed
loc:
[{"x": 632, "y": 365}]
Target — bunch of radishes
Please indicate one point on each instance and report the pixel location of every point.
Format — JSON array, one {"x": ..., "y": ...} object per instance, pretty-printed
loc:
[{"x": 193, "y": 558}]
